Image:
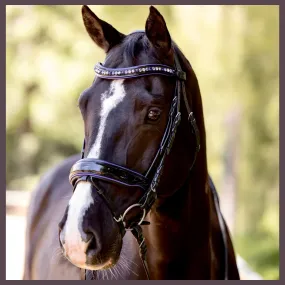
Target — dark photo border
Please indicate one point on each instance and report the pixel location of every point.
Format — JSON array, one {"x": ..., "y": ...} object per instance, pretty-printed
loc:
[{"x": 116, "y": 2}]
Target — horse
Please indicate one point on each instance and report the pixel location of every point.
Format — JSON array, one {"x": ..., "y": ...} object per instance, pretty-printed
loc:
[{"x": 139, "y": 203}]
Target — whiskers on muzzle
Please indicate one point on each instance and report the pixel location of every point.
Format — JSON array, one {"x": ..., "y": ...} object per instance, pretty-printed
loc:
[
  {"x": 120, "y": 271},
  {"x": 117, "y": 270}
]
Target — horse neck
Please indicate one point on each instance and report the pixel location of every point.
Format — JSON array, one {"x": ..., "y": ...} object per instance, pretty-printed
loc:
[{"x": 178, "y": 235}]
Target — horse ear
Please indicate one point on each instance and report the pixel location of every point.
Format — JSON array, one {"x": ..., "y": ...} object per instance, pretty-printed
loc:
[
  {"x": 157, "y": 32},
  {"x": 102, "y": 33}
]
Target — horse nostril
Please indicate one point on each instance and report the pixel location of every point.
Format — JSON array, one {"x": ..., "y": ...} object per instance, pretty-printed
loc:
[
  {"x": 90, "y": 240},
  {"x": 91, "y": 244},
  {"x": 61, "y": 239},
  {"x": 86, "y": 237}
]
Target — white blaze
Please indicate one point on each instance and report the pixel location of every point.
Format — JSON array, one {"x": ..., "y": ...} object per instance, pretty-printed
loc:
[
  {"x": 117, "y": 94},
  {"x": 82, "y": 199},
  {"x": 79, "y": 203}
]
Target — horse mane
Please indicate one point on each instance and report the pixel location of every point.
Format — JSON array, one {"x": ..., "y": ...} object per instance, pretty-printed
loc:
[
  {"x": 130, "y": 47},
  {"x": 200, "y": 170}
]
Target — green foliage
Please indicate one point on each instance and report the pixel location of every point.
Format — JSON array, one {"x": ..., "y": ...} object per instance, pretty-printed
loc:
[{"x": 234, "y": 51}]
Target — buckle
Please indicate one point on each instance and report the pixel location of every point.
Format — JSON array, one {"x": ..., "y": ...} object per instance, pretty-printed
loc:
[
  {"x": 191, "y": 118},
  {"x": 181, "y": 74}
]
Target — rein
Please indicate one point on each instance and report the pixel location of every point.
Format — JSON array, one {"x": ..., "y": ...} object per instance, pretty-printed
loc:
[{"x": 92, "y": 170}]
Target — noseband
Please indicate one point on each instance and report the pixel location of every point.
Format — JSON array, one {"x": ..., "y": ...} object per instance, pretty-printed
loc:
[{"x": 92, "y": 170}]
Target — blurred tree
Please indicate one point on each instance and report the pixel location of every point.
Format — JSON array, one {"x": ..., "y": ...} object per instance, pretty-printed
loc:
[{"x": 259, "y": 163}]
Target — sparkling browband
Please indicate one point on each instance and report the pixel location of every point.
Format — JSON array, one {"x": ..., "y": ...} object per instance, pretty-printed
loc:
[{"x": 137, "y": 71}]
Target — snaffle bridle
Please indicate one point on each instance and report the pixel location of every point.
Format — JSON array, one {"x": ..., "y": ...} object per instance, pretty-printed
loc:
[{"x": 92, "y": 170}]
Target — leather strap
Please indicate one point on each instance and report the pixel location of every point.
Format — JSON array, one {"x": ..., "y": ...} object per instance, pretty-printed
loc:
[{"x": 138, "y": 71}]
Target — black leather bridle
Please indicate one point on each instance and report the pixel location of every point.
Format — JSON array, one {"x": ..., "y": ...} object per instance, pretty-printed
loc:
[{"x": 92, "y": 170}]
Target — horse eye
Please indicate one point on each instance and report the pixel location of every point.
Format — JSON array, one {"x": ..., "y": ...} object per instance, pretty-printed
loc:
[{"x": 153, "y": 115}]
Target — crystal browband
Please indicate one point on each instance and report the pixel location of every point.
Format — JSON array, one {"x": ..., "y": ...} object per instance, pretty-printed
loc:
[{"x": 137, "y": 71}]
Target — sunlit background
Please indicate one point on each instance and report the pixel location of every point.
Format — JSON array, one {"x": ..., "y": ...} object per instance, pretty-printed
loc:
[{"x": 234, "y": 51}]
